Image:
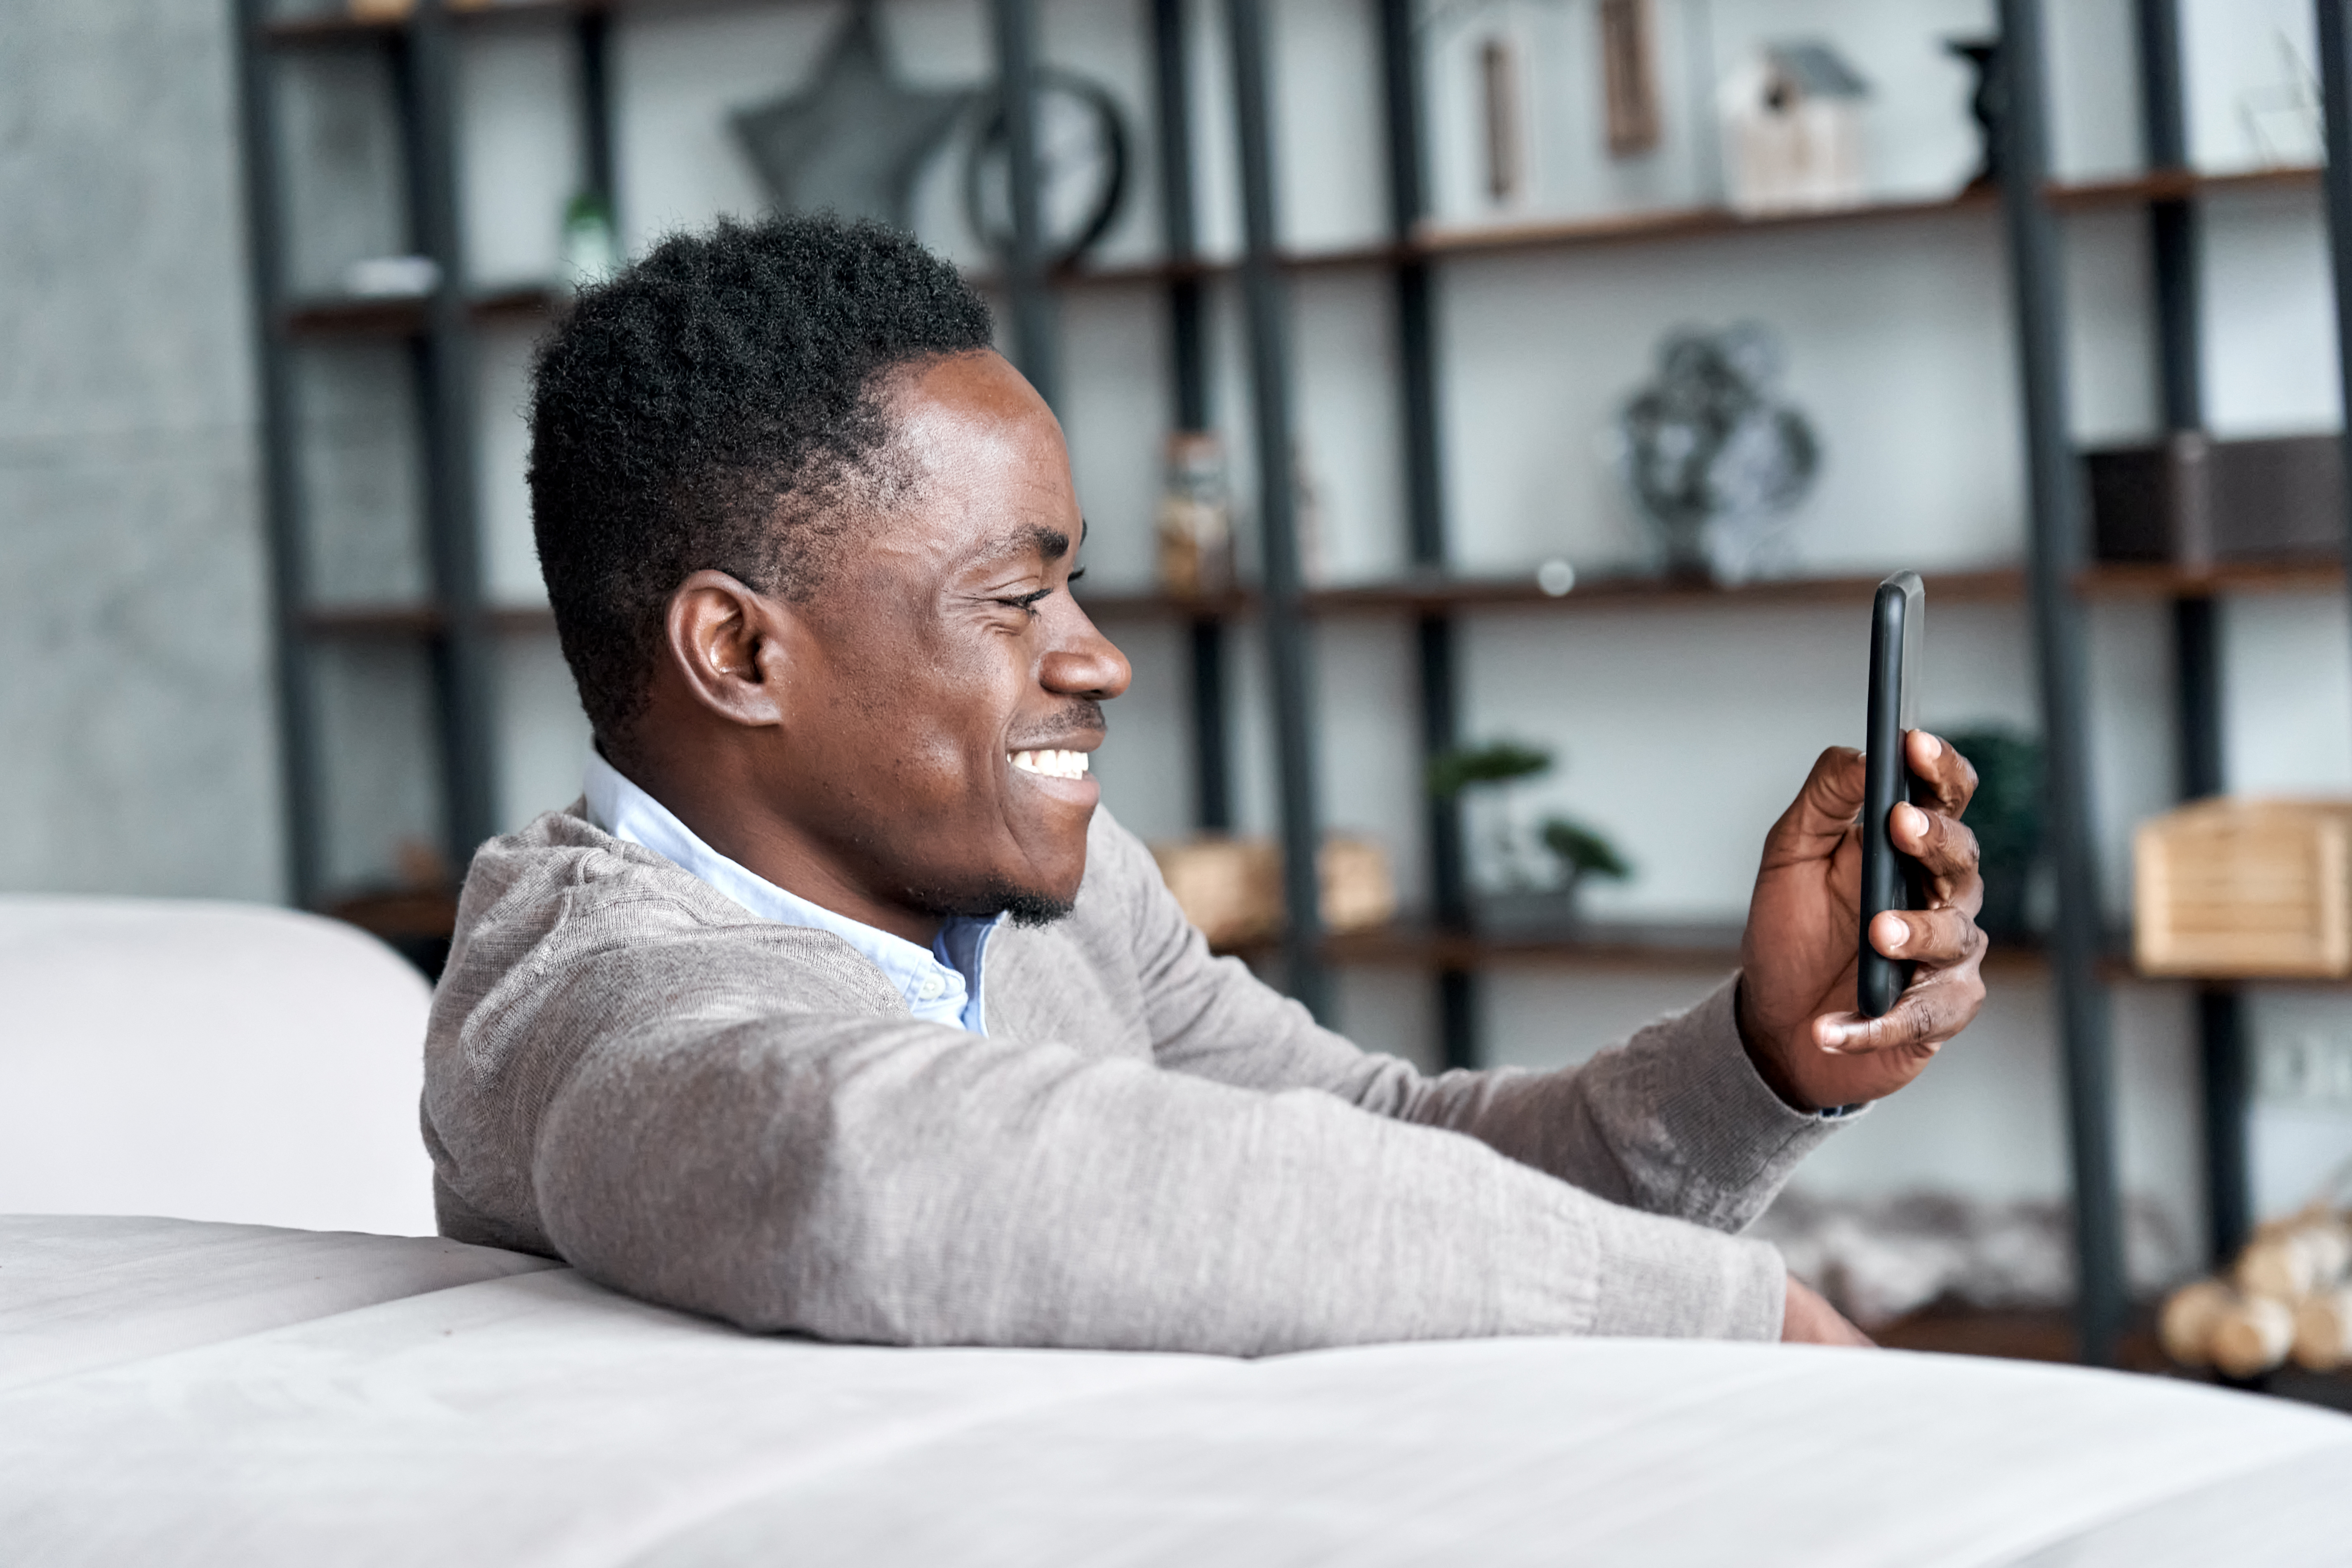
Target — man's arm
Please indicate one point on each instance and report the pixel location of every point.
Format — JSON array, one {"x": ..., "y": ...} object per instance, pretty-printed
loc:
[
  {"x": 1674, "y": 1122},
  {"x": 738, "y": 1118},
  {"x": 905, "y": 1183}
]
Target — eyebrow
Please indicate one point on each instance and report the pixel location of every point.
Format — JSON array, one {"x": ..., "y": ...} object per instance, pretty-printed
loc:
[{"x": 1048, "y": 544}]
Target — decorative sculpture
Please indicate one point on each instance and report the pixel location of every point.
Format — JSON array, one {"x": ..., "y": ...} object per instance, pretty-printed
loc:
[
  {"x": 856, "y": 140},
  {"x": 1715, "y": 460}
]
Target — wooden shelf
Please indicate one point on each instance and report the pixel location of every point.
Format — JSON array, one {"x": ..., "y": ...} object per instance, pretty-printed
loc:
[
  {"x": 1435, "y": 594},
  {"x": 1615, "y": 945},
  {"x": 1656, "y": 946},
  {"x": 2017, "y": 1334},
  {"x": 2177, "y": 184},
  {"x": 1435, "y": 241},
  {"x": 362, "y": 623},
  {"x": 2042, "y": 1334},
  {"x": 330, "y": 27},
  {"x": 404, "y": 316},
  {"x": 2116, "y": 580},
  {"x": 1438, "y": 242},
  {"x": 1427, "y": 594}
]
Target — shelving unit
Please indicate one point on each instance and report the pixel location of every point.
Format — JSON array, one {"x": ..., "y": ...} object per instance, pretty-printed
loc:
[{"x": 463, "y": 631}]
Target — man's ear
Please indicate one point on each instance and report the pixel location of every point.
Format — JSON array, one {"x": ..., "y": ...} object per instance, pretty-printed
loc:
[{"x": 726, "y": 644}]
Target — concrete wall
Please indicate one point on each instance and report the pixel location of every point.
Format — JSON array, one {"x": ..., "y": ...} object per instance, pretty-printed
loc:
[{"x": 137, "y": 737}]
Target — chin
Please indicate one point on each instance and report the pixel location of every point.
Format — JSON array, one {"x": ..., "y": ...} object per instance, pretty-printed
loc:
[{"x": 1030, "y": 907}]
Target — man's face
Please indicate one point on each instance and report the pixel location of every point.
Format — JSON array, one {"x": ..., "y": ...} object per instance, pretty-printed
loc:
[{"x": 946, "y": 693}]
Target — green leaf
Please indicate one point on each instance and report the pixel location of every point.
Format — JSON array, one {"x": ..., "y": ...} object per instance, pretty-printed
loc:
[
  {"x": 1499, "y": 761},
  {"x": 1584, "y": 852}
]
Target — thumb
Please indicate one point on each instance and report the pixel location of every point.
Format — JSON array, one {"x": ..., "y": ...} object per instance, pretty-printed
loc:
[{"x": 1817, "y": 821}]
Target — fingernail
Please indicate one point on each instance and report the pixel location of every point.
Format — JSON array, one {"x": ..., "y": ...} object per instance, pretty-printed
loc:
[
  {"x": 1935, "y": 747},
  {"x": 1896, "y": 942},
  {"x": 1915, "y": 822}
]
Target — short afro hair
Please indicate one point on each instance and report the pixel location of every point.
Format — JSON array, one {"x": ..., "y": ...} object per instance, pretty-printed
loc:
[{"x": 716, "y": 405}]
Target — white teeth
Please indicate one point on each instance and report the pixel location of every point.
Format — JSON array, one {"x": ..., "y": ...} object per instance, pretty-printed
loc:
[{"x": 1053, "y": 765}]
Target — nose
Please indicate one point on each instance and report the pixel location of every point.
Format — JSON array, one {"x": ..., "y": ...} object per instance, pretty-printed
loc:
[{"x": 1085, "y": 665}]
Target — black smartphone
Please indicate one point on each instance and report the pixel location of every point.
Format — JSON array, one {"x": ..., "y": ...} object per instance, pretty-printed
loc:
[{"x": 1890, "y": 878}]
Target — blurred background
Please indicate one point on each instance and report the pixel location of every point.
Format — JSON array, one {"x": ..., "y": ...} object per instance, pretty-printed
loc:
[{"x": 1611, "y": 351}]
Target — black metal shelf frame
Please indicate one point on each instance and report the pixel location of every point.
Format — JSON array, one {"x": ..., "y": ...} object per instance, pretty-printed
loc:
[
  {"x": 462, "y": 629},
  {"x": 458, "y": 625}
]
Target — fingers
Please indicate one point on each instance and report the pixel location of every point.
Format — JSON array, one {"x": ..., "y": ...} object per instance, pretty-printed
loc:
[
  {"x": 1939, "y": 937},
  {"x": 1807, "y": 1319},
  {"x": 1939, "y": 1004},
  {"x": 1944, "y": 771},
  {"x": 1945, "y": 846}
]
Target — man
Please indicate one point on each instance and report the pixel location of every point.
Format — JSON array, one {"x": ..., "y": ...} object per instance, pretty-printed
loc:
[{"x": 839, "y": 1006}]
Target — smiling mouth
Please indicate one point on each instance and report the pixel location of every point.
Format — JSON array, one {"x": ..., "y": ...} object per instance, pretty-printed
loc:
[{"x": 1053, "y": 765}]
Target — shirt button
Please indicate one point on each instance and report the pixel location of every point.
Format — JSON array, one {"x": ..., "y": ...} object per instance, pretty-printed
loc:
[{"x": 930, "y": 988}]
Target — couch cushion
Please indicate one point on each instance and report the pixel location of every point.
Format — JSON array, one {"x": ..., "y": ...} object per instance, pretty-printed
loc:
[
  {"x": 540, "y": 1419},
  {"x": 78, "y": 1292},
  {"x": 209, "y": 1061}
]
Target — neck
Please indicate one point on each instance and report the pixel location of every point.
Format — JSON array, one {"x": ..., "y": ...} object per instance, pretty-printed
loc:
[{"x": 719, "y": 800}]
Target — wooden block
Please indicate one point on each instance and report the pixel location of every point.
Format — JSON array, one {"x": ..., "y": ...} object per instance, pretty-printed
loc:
[
  {"x": 2280, "y": 1267},
  {"x": 1232, "y": 888},
  {"x": 2185, "y": 1326},
  {"x": 2252, "y": 1336},
  {"x": 1358, "y": 892},
  {"x": 1229, "y": 888},
  {"x": 2240, "y": 888},
  {"x": 2323, "y": 1331}
]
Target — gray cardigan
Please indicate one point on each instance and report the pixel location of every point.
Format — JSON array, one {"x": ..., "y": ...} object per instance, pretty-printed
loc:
[{"x": 1149, "y": 1149}]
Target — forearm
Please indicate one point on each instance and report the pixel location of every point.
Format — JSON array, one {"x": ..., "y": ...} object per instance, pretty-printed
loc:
[
  {"x": 885, "y": 1184},
  {"x": 1675, "y": 1121}
]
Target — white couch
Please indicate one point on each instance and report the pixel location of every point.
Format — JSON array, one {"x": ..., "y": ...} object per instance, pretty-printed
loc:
[
  {"x": 209, "y": 1061},
  {"x": 174, "y": 1392}
]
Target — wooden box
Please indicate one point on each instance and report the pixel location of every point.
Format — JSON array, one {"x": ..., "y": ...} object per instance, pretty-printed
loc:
[
  {"x": 2195, "y": 502},
  {"x": 1232, "y": 888},
  {"x": 2245, "y": 889}
]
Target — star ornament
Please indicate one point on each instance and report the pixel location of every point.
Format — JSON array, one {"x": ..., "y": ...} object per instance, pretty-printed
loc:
[{"x": 855, "y": 140}]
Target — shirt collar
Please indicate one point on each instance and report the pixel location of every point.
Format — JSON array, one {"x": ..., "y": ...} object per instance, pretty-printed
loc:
[{"x": 941, "y": 983}]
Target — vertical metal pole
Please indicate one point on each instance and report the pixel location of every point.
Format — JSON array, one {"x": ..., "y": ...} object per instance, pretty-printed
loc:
[
  {"x": 2196, "y": 619},
  {"x": 281, "y": 489},
  {"x": 2335, "y": 91},
  {"x": 1034, "y": 337},
  {"x": 468, "y": 652},
  {"x": 595, "y": 32},
  {"x": 2055, "y": 552},
  {"x": 1289, "y": 652},
  {"x": 1172, "y": 83},
  {"x": 1424, "y": 481},
  {"x": 1189, "y": 357}
]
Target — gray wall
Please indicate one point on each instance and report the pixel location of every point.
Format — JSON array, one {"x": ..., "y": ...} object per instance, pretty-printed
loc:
[{"x": 137, "y": 735}]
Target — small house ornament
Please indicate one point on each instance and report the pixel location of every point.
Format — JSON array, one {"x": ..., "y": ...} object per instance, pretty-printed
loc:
[{"x": 1792, "y": 131}]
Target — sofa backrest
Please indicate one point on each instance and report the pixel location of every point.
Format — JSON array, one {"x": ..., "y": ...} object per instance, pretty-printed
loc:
[{"x": 210, "y": 1061}]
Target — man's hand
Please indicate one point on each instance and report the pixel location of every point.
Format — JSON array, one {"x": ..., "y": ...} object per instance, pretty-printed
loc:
[
  {"x": 1807, "y": 1319},
  {"x": 1798, "y": 958}
]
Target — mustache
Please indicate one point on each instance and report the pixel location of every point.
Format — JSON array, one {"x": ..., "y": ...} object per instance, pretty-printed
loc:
[{"x": 1079, "y": 716}]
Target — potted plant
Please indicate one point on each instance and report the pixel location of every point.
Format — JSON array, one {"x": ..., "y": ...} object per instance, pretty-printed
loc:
[
  {"x": 2006, "y": 818},
  {"x": 1524, "y": 878}
]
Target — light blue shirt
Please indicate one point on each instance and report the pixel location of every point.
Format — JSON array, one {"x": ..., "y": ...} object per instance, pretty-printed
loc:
[{"x": 942, "y": 983}]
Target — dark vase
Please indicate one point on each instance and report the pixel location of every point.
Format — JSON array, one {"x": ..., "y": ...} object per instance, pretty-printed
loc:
[{"x": 1989, "y": 103}]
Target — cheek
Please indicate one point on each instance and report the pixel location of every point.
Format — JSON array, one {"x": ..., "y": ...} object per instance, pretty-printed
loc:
[{"x": 938, "y": 720}]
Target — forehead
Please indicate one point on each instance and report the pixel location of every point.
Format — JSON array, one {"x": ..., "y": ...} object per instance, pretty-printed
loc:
[{"x": 989, "y": 472}]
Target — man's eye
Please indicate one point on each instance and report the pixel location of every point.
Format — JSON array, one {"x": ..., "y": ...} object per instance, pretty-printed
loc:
[{"x": 1025, "y": 601}]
